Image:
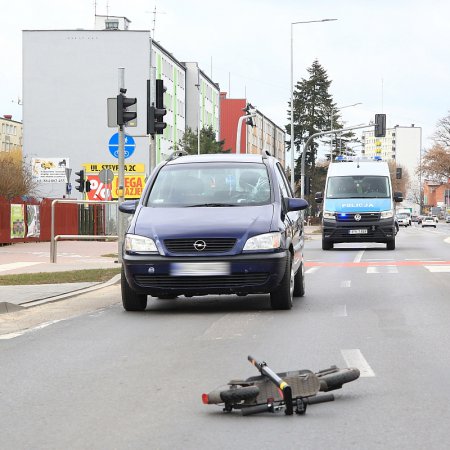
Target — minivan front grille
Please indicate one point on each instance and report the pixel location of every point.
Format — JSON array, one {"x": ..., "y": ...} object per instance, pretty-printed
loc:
[{"x": 200, "y": 245}]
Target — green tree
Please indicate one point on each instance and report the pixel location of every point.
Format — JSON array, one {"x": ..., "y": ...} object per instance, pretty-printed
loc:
[
  {"x": 208, "y": 143},
  {"x": 314, "y": 111}
]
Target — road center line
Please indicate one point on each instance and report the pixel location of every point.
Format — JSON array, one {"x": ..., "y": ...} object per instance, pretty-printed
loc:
[
  {"x": 354, "y": 358},
  {"x": 340, "y": 311},
  {"x": 346, "y": 283}
]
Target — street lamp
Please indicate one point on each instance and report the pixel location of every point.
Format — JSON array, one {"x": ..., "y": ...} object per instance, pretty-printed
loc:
[
  {"x": 331, "y": 122},
  {"x": 292, "y": 96}
]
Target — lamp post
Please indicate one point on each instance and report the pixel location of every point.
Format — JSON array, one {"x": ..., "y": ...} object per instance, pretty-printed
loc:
[
  {"x": 292, "y": 96},
  {"x": 331, "y": 122}
]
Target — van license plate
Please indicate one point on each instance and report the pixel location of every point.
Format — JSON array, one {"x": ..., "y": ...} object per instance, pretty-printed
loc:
[
  {"x": 199, "y": 269},
  {"x": 359, "y": 231}
]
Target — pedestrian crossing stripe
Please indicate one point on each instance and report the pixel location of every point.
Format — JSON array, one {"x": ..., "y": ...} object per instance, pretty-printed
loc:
[{"x": 438, "y": 268}]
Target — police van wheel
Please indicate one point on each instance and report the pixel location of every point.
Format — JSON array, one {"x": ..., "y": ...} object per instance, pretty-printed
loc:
[
  {"x": 391, "y": 244},
  {"x": 327, "y": 244}
]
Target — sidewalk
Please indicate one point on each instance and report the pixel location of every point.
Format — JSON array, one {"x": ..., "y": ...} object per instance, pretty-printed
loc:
[{"x": 34, "y": 257}]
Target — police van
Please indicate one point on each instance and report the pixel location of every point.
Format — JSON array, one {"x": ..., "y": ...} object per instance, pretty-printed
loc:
[{"x": 358, "y": 204}]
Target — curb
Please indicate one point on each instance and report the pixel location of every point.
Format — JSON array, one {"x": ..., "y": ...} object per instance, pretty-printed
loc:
[{"x": 114, "y": 280}]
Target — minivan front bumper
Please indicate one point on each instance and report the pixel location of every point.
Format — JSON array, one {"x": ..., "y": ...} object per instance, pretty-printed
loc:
[{"x": 248, "y": 274}]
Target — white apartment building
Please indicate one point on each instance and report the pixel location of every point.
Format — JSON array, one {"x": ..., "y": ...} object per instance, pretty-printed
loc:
[
  {"x": 202, "y": 100},
  {"x": 10, "y": 134},
  {"x": 402, "y": 144}
]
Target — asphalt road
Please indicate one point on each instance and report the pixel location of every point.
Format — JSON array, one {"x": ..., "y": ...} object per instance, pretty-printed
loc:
[{"x": 82, "y": 373}]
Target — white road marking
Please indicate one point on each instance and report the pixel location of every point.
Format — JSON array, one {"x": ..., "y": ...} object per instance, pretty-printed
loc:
[
  {"x": 16, "y": 265},
  {"x": 438, "y": 268},
  {"x": 21, "y": 333},
  {"x": 379, "y": 259},
  {"x": 340, "y": 311},
  {"x": 358, "y": 256},
  {"x": 312, "y": 270},
  {"x": 354, "y": 358},
  {"x": 447, "y": 240},
  {"x": 346, "y": 283},
  {"x": 382, "y": 269}
]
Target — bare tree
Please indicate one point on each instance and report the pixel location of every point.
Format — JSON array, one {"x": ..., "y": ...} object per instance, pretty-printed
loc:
[
  {"x": 402, "y": 184},
  {"x": 442, "y": 134},
  {"x": 436, "y": 163},
  {"x": 15, "y": 176}
]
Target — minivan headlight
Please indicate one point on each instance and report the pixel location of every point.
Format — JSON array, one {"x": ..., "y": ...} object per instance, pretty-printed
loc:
[
  {"x": 139, "y": 244},
  {"x": 267, "y": 241},
  {"x": 329, "y": 215},
  {"x": 387, "y": 214}
]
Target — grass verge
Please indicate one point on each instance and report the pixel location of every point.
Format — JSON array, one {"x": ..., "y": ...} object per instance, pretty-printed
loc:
[{"x": 73, "y": 276}]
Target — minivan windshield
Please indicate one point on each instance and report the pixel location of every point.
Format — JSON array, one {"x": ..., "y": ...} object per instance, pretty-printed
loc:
[
  {"x": 210, "y": 185},
  {"x": 358, "y": 187}
]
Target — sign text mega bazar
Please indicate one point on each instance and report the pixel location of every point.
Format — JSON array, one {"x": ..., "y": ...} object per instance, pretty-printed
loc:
[{"x": 134, "y": 181}]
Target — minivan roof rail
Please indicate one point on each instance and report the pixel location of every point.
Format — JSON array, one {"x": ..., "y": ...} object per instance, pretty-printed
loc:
[{"x": 176, "y": 154}]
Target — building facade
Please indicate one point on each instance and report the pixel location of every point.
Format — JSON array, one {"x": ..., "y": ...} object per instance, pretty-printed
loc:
[
  {"x": 402, "y": 144},
  {"x": 264, "y": 135},
  {"x": 11, "y": 133},
  {"x": 202, "y": 100}
]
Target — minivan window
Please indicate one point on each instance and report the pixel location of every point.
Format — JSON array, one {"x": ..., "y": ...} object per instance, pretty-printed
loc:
[
  {"x": 358, "y": 187},
  {"x": 210, "y": 184}
]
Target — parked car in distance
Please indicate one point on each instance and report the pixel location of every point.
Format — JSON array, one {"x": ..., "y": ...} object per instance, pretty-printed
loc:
[
  {"x": 402, "y": 219},
  {"x": 214, "y": 224},
  {"x": 447, "y": 219},
  {"x": 428, "y": 222}
]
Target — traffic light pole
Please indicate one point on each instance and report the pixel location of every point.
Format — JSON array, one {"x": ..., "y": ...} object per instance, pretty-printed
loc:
[
  {"x": 121, "y": 178},
  {"x": 239, "y": 132}
]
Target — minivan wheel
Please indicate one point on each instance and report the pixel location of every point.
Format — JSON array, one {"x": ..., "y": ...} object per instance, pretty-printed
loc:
[
  {"x": 282, "y": 296},
  {"x": 326, "y": 244},
  {"x": 131, "y": 300},
  {"x": 299, "y": 282}
]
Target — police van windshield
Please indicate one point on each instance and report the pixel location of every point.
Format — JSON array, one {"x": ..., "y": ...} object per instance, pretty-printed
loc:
[
  {"x": 211, "y": 185},
  {"x": 358, "y": 187}
]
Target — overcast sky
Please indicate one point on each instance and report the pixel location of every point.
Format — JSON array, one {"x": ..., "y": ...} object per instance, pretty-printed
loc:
[{"x": 393, "y": 56}]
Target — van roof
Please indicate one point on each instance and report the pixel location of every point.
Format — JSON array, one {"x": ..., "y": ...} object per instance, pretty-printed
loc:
[{"x": 358, "y": 168}]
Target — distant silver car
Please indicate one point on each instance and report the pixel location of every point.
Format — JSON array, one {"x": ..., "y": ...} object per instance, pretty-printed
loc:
[
  {"x": 447, "y": 219},
  {"x": 428, "y": 222}
]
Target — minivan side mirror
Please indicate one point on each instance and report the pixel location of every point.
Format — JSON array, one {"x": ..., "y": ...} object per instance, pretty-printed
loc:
[
  {"x": 398, "y": 197},
  {"x": 318, "y": 197},
  {"x": 128, "y": 206},
  {"x": 296, "y": 204}
]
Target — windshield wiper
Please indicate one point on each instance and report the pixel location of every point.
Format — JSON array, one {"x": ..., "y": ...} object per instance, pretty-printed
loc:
[{"x": 213, "y": 205}]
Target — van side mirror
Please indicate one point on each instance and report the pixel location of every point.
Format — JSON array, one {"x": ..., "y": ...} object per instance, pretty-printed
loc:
[
  {"x": 318, "y": 197},
  {"x": 398, "y": 197}
]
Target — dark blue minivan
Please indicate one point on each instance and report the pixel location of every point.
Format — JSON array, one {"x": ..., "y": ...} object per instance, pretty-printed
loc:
[{"x": 214, "y": 224}]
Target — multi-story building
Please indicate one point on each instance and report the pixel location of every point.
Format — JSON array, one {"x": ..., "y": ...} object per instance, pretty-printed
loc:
[
  {"x": 10, "y": 134},
  {"x": 402, "y": 144},
  {"x": 264, "y": 135},
  {"x": 202, "y": 100}
]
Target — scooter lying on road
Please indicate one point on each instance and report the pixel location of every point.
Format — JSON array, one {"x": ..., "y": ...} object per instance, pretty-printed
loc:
[{"x": 272, "y": 392}]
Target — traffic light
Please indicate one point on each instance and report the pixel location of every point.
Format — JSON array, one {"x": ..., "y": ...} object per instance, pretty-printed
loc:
[
  {"x": 123, "y": 103},
  {"x": 87, "y": 186},
  {"x": 308, "y": 185},
  {"x": 248, "y": 110},
  {"x": 155, "y": 114},
  {"x": 80, "y": 180},
  {"x": 160, "y": 110},
  {"x": 398, "y": 173},
  {"x": 380, "y": 125}
]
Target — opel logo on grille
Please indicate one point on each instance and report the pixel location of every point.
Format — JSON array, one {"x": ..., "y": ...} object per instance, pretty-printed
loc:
[
  {"x": 199, "y": 245},
  {"x": 357, "y": 217}
]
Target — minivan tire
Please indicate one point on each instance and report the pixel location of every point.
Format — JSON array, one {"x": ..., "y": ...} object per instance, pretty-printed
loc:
[
  {"x": 390, "y": 245},
  {"x": 282, "y": 296},
  {"x": 131, "y": 300},
  {"x": 299, "y": 282}
]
